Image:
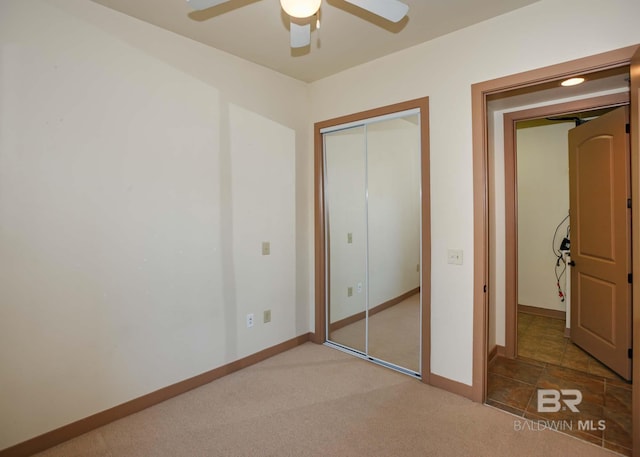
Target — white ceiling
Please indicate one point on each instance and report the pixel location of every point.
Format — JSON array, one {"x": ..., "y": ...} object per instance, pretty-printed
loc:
[{"x": 258, "y": 30}]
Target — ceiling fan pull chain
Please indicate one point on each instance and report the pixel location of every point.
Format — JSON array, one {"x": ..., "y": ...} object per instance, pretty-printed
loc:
[{"x": 318, "y": 28}]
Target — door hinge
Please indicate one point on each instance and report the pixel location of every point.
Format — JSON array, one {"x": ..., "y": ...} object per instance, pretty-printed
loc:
[
  {"x": 630, "y": 278},
  {"x": 628, "y": 203},
  {"x": 630, "y": 353},
  {"x": 627, "y": 128}
]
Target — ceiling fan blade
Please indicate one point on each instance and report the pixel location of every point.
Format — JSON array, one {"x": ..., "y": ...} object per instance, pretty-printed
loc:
[
  {"x": 391, "y": 10},
  {"x": 204, "y": 4},
  {"x": 300, "y": 35}
]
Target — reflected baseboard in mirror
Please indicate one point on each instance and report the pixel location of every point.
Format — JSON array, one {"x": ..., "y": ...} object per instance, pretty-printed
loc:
[
  {"x": 376, "y": 309},
  {"x": 389, "y": 326}
]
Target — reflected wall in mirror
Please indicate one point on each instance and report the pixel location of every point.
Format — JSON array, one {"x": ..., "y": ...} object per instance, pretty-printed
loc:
[
  {"x": 372, "y": 190},
  {"x": 393, "y": 159},
  {"x": 345, "y": 165}
]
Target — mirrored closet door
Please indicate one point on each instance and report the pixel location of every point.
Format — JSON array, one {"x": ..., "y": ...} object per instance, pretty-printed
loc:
[{"x": 372, "y": 191}]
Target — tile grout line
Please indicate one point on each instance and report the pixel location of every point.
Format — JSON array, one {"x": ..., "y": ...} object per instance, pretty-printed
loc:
[{"x": 544, "y": 369}]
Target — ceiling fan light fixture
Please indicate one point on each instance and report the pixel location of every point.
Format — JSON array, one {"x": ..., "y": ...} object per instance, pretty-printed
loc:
[{"x": 300, "y": 8}]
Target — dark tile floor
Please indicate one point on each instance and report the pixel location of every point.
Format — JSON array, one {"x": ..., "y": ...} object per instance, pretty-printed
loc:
[{"x": 548, "y": 360}]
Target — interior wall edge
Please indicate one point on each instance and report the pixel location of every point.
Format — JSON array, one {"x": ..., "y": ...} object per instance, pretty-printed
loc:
[
  {"x": 451, "y": 386},
  {"x": 497, "y": 351}
]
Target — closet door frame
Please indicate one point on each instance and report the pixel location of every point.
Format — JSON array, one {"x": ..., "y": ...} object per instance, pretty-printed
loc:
[{"x": 321, "y": 279}]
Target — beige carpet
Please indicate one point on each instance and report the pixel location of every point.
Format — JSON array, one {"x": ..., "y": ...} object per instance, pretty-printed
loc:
[
  {"x": 317, "y": 401},
  {"x": 394, "y": 334}
]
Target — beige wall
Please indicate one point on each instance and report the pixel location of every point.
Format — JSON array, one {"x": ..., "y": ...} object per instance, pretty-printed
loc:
[
  {"x": 129, "y": 233},
  {"x": 139, "y": 174},
  {"x": 543, "y": 202},
  {"x": 444, "y": 69}
]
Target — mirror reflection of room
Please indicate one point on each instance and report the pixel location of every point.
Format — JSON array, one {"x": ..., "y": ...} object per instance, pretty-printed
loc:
[{"x": 372, "y": 179}]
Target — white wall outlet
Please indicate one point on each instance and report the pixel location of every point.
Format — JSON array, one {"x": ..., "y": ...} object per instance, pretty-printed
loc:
[
  {"x": 454, "y": 256},
  {"x": 249, "y": 320}
]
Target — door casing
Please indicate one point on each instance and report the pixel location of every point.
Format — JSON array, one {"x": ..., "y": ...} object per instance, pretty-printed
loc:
[{"x": 321, "y": 280}]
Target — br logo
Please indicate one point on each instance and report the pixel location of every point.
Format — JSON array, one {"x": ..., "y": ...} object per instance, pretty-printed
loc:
[{"x": 551, "y": 400}]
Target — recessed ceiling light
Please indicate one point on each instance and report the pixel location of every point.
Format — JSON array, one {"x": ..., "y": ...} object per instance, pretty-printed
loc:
[{"x": 572, "y": 82}]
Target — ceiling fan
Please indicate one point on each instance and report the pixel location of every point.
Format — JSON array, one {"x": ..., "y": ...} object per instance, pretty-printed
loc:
[{"x": 302, "y": 11}]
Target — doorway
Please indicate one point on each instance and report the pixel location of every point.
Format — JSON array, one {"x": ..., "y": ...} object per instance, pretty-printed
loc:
[
  {"x": 597, "y": 105},
  {"x": 534, "y": 82},
  {"x": 542, "y": 353}
]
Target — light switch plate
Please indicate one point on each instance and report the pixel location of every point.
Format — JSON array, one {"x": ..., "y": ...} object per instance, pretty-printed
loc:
[
  {"x": 454, "y": 256},
  {"x": 266, "y": 248}
]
